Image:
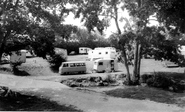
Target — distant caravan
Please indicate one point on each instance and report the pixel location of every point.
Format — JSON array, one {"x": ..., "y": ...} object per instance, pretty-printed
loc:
[
  {"x": 72, "y": 67},
  {"x": 102, "y": 53},
  {"x": 84, "y": 50}
]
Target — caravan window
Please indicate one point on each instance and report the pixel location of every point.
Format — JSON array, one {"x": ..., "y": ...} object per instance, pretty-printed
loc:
[
  {"x": 100, "y": 63},
  {"x": 106, "y": 52},
  {"x": 99, "y": 52}
]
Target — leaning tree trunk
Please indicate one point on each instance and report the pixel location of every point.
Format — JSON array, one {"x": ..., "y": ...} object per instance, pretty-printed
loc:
[
  {"x": 134, "y": 77},
  {"x": 128, "y": 81},
  {"x": 122, "y": 46},
  {"x": 139, "y": 61}
]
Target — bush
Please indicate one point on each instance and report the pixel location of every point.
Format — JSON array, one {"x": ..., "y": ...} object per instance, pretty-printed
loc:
[
  {"x": 164, "y": 81},
  {"x": 55, "y": 61},
  {"x": 159, "y": 81},
  {"x": 108, "y": 78}
]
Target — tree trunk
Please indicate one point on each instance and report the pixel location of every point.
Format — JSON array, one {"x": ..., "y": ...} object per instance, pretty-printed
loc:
[
  {"x": 126, "y": 66},
  {"x": 3, "y": 43},
  {"x": 139, "y": 61},
  {"x": 122, "y": 47},
  {"x": 2, "y": 47},
  {"x": 135, "y": 77}
]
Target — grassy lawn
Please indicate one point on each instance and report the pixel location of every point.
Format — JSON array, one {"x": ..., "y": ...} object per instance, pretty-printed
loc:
[
  {"x": 149, "y": 93},
  {"x": 23, "y": 102}
]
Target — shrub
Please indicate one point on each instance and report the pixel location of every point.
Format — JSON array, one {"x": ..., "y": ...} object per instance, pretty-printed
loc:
[
  {"x": 55, "y": 61},
  {"x": 108, "y": 78},
  {"x": 159, "y": 81},
  {"x": 164, "y": 81}
]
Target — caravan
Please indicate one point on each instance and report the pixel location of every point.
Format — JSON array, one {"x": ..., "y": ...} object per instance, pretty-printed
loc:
[
  {"x": 105, "y": 65},
  {"x": 18, "y": 56},
  {"x": 102, "y": 53},
  {"x": 84, "y": 50}
]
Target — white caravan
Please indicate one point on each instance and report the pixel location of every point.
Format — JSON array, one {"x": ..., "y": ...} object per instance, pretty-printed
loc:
[
  {"x": 102, "y": 53},
  {"x": 84, "y": 50},
  {"x": 105, "y": 65},
  {"x": 18, "y": 56}
]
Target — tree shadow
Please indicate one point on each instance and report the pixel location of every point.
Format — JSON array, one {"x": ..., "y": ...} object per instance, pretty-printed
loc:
[
  {"x": 152, "y": 93},
  {"x": 54, "y": 69},
  {"x": 18, "y": 72},
  {"x": 149, "y": 93}
]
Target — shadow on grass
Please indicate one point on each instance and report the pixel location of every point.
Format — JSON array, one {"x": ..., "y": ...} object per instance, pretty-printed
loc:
[
  {"x": 54, "y": 69},
  {"x": 20, "y": 102},
  {"x": 18, "y": 72},
  {"x": 158, "y": 93},
  {"x": 149, "y": 93},
  {"x": 5, "y": 69}
]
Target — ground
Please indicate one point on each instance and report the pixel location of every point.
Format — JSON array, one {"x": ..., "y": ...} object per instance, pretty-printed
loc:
[{"x": 38, "y": 68}]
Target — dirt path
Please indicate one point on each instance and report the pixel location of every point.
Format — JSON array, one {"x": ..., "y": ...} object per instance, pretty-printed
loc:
[{"x": 85, "y": 100}]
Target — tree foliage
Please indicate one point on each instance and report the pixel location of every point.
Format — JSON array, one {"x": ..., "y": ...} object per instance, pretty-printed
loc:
[{"x": 171, "y": 13}]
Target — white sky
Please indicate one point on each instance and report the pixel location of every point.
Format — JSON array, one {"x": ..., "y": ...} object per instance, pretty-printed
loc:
[{"x": 111, "y": 29}]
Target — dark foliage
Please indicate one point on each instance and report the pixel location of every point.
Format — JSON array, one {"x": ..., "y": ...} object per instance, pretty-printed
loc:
[
  {"x": 55, "y": 61},
  {"x": 164, "y": 81},
  {"x": 42, "y": 42}
]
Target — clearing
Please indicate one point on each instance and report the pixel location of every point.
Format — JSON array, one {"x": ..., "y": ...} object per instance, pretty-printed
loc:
[{"x": 39, "y": 69}]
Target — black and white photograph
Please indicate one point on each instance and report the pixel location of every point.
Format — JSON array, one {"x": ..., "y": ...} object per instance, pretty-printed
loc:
[{"x": 92, "y": 55}]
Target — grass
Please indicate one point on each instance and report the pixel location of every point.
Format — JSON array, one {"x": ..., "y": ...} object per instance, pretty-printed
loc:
[
  {"x": 22, "y": 102},
  {"x": 149, "y": 93}
]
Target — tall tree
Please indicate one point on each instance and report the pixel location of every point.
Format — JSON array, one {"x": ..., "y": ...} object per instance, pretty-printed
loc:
[
  {"x": 169, "y": 13},
  {"x": 16, "y": 17},
  {"x": 12, "y": 13}
]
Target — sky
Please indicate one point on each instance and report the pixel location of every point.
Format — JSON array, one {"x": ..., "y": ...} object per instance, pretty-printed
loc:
[{"x": 111, "y": 29}]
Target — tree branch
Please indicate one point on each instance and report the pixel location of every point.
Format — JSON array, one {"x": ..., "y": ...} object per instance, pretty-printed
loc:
[{"x": 16, "y": 3}]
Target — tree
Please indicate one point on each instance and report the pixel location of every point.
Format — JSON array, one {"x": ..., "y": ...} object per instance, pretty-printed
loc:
[
  {"x": 171, "y": 13},
  {"x": 11, "y": 15},
  {"x": 47, "y": 38},
  {"x": 18, "y": 18}
]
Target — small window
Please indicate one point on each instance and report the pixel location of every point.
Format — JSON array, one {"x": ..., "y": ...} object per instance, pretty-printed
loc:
[
  {"x": 100, "y": 63},
  {"x": 82, "y": 49},
  {"x": 83, "y": 64},
  {"x": 72, "y": 65},
  {"x": 65, "y": 65},
  {"x": 99, "y": 52},
  {"x": 77, "y": 64},
  {"x": 106, "y": 52}
]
